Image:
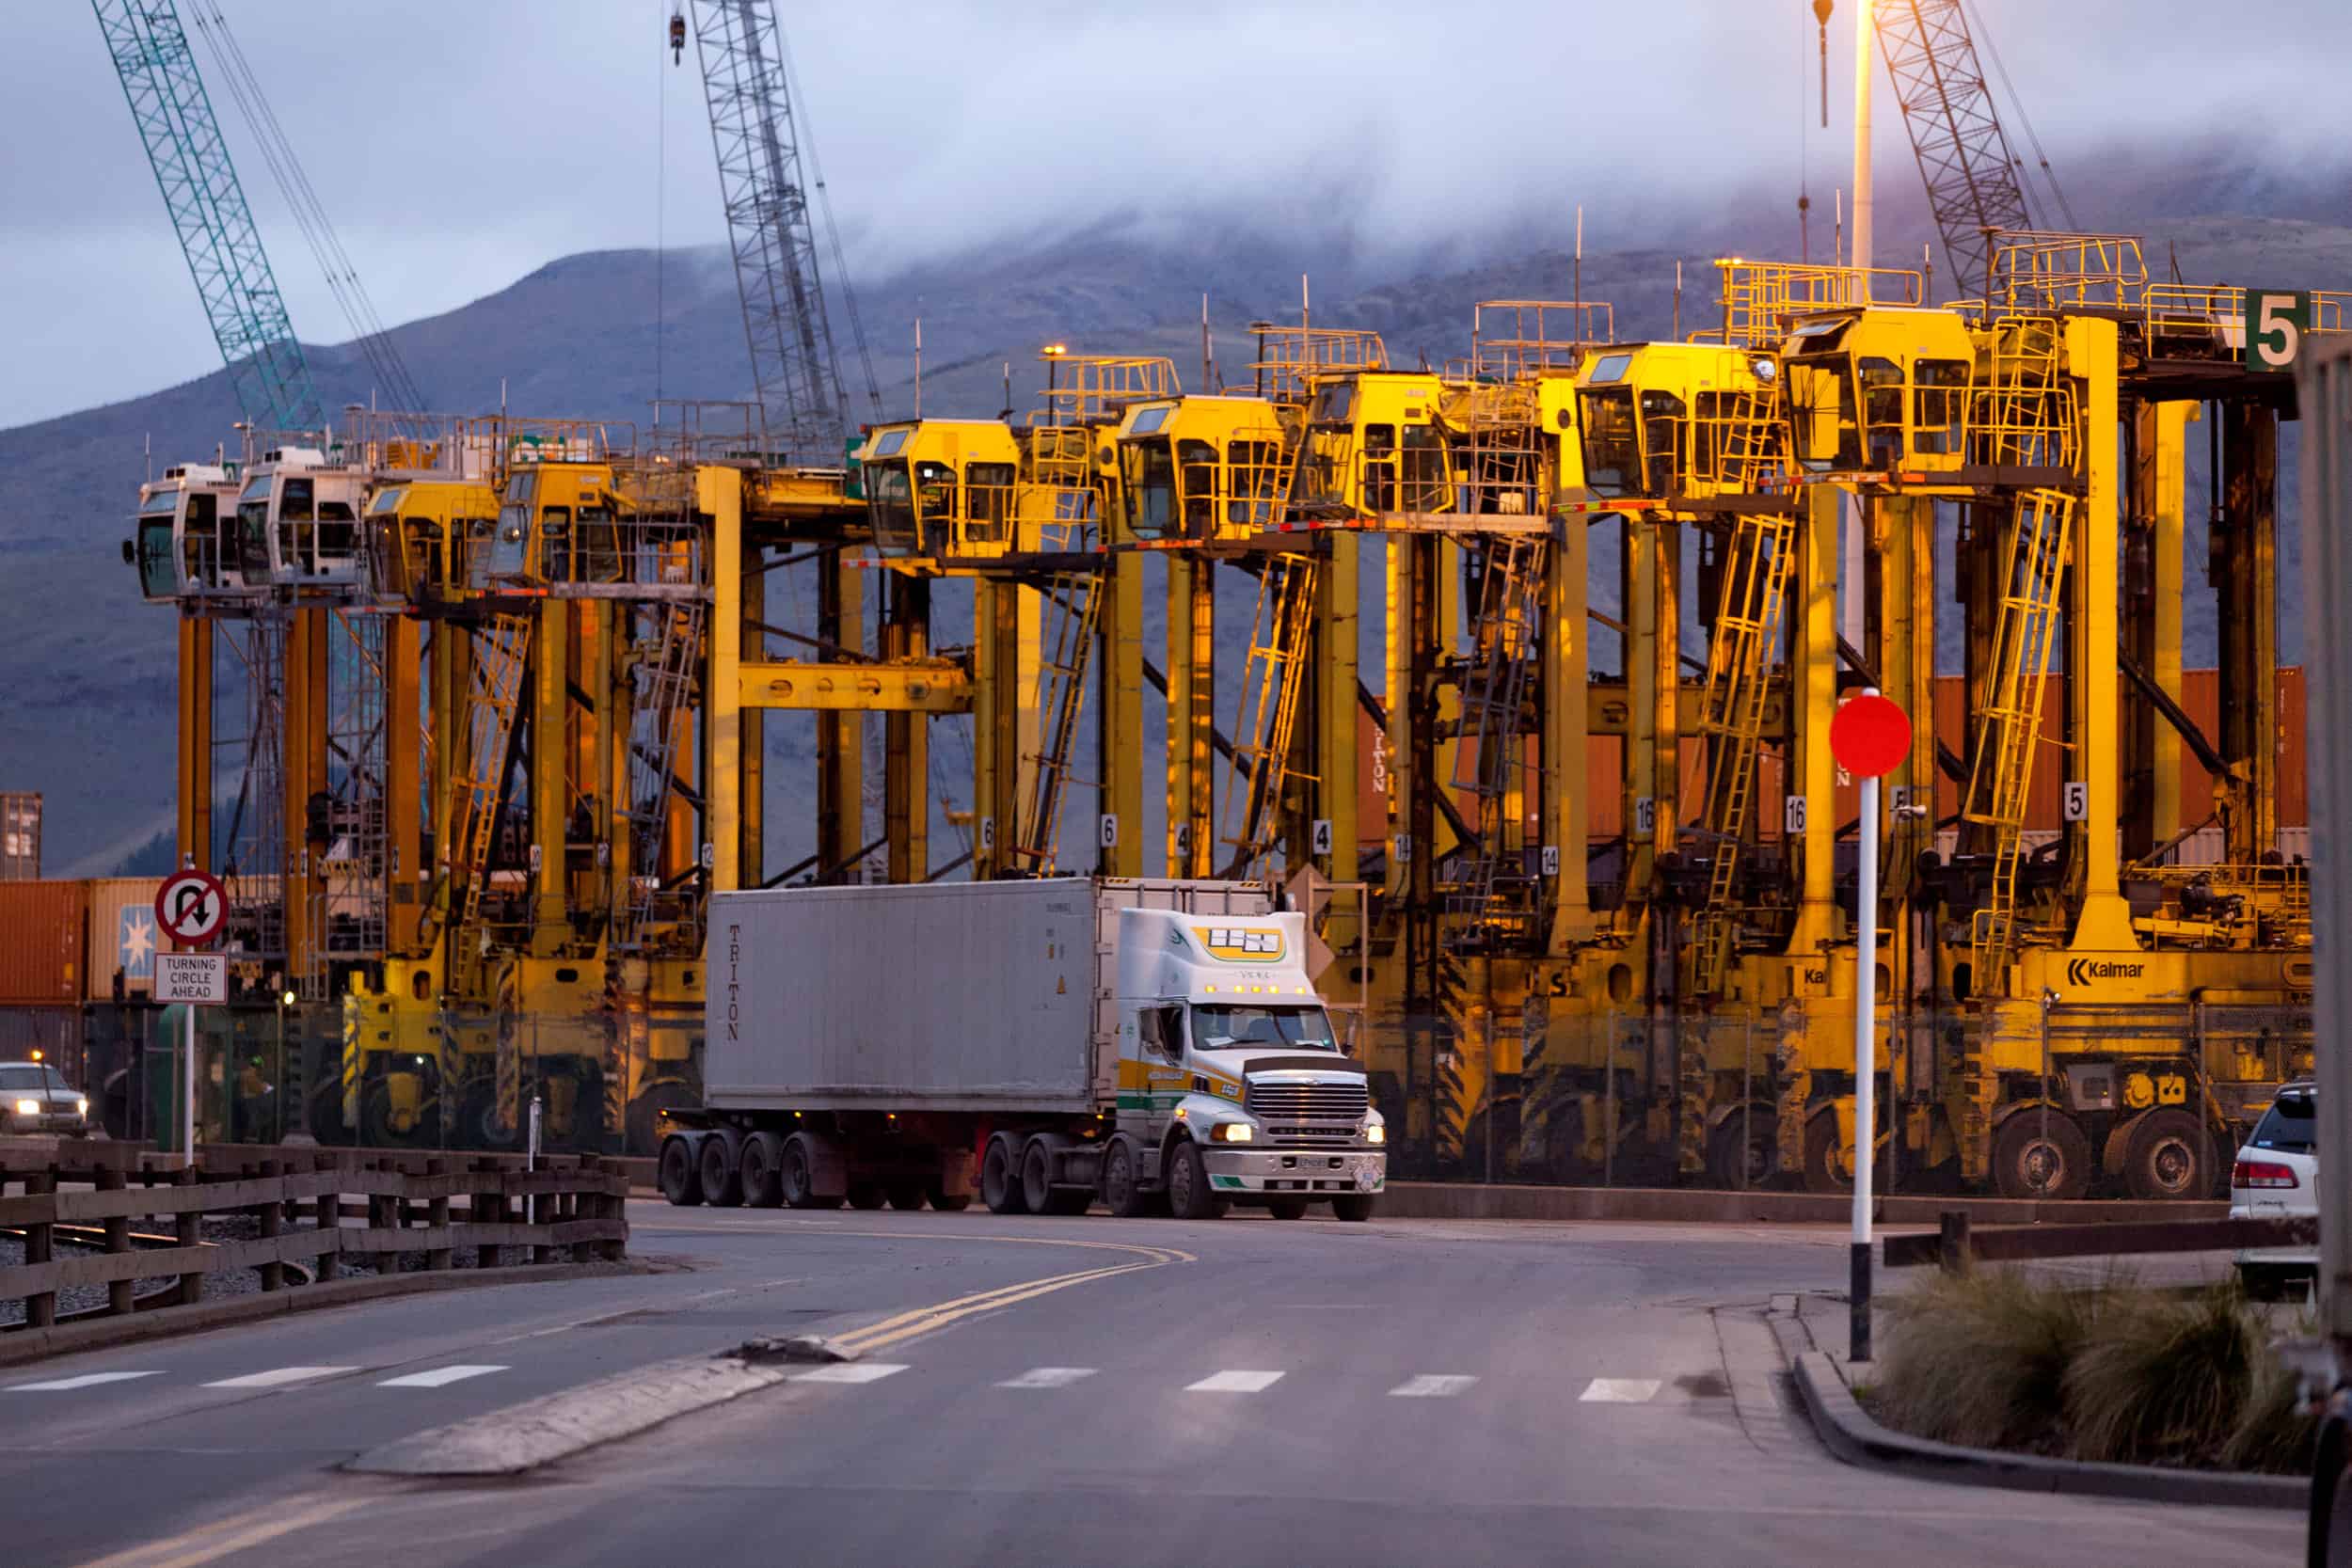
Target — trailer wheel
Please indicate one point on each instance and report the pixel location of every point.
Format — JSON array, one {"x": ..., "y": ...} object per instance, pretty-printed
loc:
[
  {"x": 762, "y": 1166},
  {"x": 1000, "y": 1185},
  {"x": 1122, "y": 1193},
  {"x": 1287, "y": 1208},
  {"x": 947, "y": 1202},
  {"x": 723, "y": 1177},
  {"x": 1037, "y": 1177},
  {"x": 681, "y": 1181},
  {"x": 866, "y": 1194},
  {"x": 2169, "y": 1156},
  {"x": 1189, "y": 1197},
  {"x": 907, "y": 1195},
  {"x": 800, "y": 1178},
  {"x": 1355, "y": 1208},
  {"x": 2027, "y": 1163}
]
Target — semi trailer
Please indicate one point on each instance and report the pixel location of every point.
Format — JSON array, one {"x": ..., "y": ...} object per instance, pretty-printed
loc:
[{"x": 1154, "y": 1045}]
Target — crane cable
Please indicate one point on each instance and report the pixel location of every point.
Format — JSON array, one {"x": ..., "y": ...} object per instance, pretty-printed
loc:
[
  {"x": 2017, "y": 107},
  {"x": 833, "y": 231},
  {"x": 342, "y": 277}
]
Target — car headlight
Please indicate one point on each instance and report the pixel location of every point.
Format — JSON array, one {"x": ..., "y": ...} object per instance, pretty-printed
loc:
[
  {"x": 1376, "y": 1133},
  {"x": 28, "y": 1107},
  {"x": 81, "y": 1107},
  {"x": 1232, "y": 1132}
]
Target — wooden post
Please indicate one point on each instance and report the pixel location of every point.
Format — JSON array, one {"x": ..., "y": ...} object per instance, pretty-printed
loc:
[
  {"x": 1952, "y": 1252},
  {"x": 273, "y": 1215},
  {"x": 40, "y": 1311},
  {"x": 543, "y": 1208},
  {"x": 615, "y": 1208},
  {"x": 326, "y": 1214},
  {"x": 394, "y": 1217},
  {"x": 437, "y": 1214},
  {"x": 190, "y": 1231},
  {"x": 487, "y": 1207},
  {"x": 117, "y": 1242}
]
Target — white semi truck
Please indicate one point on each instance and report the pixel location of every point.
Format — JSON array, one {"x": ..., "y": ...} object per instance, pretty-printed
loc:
[{"x": 1153, "y": 1045}]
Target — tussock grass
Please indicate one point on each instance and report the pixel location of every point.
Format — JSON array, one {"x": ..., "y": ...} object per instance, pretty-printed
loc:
[
  {"x": 2164, "y": 1379},
  {"x": 1995, "y": 1358},
  {"x": 1981, "y": 1358}
]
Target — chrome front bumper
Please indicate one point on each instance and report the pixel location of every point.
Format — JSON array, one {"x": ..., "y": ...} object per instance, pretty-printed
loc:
[{"x": 1301, "y": 1172}]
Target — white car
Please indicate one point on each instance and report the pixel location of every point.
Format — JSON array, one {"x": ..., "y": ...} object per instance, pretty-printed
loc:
[{"x": 2276, "y": 1174}]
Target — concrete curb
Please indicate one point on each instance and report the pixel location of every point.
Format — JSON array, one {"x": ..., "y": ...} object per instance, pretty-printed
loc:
[
  {"x": 556, "y": 1426},
  {"x": 1854, "y": 1438},
  {"x": 34, "y": 1344}
]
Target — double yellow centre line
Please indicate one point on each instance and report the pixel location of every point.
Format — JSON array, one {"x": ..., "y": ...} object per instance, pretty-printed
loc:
[{"x": 926, "y": 1320}]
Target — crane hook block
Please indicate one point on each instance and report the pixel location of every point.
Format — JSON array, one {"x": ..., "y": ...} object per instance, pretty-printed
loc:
[{"x": 677, "y": 37}]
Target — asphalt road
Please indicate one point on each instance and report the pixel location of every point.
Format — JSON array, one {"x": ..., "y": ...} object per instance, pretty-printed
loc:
[{"x": 1246, "y": 1391}]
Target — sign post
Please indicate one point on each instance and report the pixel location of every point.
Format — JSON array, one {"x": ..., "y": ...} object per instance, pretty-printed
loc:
[
  {"x": 190, "y": 908},
  {"x": 1870, "y": 737}
]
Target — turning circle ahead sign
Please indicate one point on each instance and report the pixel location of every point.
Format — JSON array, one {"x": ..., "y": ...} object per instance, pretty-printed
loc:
[{"x": 191, "y": 907}]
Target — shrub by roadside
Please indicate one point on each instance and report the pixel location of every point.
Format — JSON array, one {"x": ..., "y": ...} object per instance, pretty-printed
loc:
[{"x": 1993, "y": 1359}]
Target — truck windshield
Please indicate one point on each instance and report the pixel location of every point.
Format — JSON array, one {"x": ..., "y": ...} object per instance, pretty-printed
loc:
[{"x": 1220, "y": 1028}]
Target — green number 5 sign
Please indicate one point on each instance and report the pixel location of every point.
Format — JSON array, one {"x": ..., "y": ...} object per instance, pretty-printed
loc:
[{"x": 2275, "y": 325}]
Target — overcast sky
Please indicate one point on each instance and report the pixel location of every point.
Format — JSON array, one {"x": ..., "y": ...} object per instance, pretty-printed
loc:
[{"x": 458, "y": 144}]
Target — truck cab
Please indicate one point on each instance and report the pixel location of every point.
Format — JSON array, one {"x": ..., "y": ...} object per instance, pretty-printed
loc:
[
  {"x": 298, "y": 519},
  {"x": 560, "y": 521},
  {"x": 184, "y": 542},
  {"x": 972, "y": 492},
  {"x": 1232, "y": 1087},
  {"x": 1201, "y": 470},
  {"x": 1881, "y": 389},
  {"x": 417, "y": 533},
  {"x": 1674, "y": 422}
]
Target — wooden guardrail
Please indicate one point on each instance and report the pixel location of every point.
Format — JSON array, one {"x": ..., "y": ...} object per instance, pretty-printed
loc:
[
  {"x": 1957, "y": 1244},
  {"x": 354, "y": 1208}
]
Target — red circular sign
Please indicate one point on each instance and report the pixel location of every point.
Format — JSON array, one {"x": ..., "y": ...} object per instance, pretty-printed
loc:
[
  {"x": 191, "y": 907},
  {"x": 1869, "y": 735}
]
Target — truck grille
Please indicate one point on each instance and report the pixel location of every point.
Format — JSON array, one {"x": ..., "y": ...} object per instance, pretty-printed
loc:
[{"x": 1309, "y": 1102}]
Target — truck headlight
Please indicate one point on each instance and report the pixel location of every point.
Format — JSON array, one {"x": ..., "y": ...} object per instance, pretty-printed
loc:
[
  {"x": 1376, "y": 1133},
  {"x": 28, "y": 1107},
  {"x": 81, "y": 1107},
  {"x": 1232, "y": 1132}
]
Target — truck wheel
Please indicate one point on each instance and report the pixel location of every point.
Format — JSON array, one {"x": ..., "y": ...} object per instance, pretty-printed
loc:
[
  {"x": 2169, "y": 1156},
  {"x": 1287, "y": 1208},
  {"x": 906, "y": 1195},
  {"x": 2026, "y": 1164},
  {"x": 1744, "y": 1152},
  {"x": 799, "y": 1178},
  {"x": 1355, "y": 1208},
  {"x": 1036, "y": 1186},
  {"x": 761, "y": 1163},
  {"x": 478, "y": 1123},
  {"x": 681, "y": 1183},
  {"x": 865, "y": 1195},
  {"x": 1189, "y": 1197},
  {"x": 1000, "y": 1185},
  {"x": 1122, "y": 1193},
  {"x": 723, "y": 1177},
  {"x": 946, "y": 1202}
]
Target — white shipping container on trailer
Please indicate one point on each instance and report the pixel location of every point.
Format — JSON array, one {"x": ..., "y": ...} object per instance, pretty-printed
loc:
[{"x": 962, "y": 997}]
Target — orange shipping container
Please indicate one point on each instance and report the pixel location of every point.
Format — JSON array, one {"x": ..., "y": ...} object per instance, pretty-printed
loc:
[
  {"x": 121, "y": 936},
  {"x": 41, "y": 925}
]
